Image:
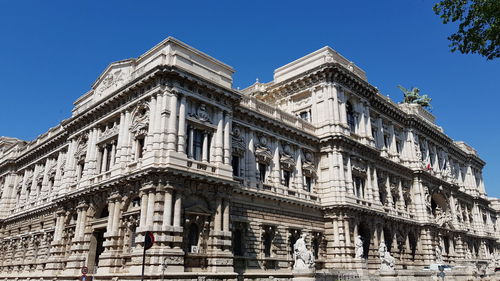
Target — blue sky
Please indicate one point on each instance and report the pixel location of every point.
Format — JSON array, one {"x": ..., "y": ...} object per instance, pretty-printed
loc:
[{"x": 52, "y": 51}]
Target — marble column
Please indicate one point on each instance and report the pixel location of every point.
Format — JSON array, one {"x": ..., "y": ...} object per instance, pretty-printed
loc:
[
  {"x": 218, "y": 214},
  {"x": 158, "y": 119},
  {"x": 144, "y": 208},
  {"x": 150, "y": 208},
  {"x": 111, "y": 210},
  {"x": 343, "y": 111},
  {"x": 227, "y": 138},
  {"x": 148, "y": 141},
  {"x": 177, "y": 209},
  {"x": 172, "y": 124},
  {"x": 225, "y": 219},
  {"x": 167, "y": 208},
  {"x": 204, "y": 152},
  {"x": 219, "y": 138},
  {"x": 349, "y": 183},
  {"x": 181, "y": 143},
  {"x": 299, "y": 178},
  {"x": 116, "y": 215}
]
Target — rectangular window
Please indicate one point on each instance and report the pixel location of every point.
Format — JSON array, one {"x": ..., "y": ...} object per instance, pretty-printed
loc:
[
  {"x": 108, "y": 156},
  {"x": 359, "y": 187},
  {"x": 236, "y": 165},
  {"x": 304, "y": 115},
  {"x": 387, "y": 141},
  {"x": 80, "y": 168},
  {"x": 262, "y": 172},
  {"x": 398, "y": 146},
  {"x": 197, "y": 144},
  {"x": 286, "y": 178},
  {"x": 140, "y": 148}
]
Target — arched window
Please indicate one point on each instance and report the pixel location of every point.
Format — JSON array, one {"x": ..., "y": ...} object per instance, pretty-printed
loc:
[{"x": 351, "y": 121}]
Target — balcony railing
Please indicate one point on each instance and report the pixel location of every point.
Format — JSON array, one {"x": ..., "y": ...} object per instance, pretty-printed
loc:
[{"x": 277, "y": 114}]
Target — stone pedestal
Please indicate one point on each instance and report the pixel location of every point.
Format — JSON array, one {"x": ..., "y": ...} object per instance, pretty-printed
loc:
[
  {"x": 389, "y": 275},
  {"x": 303, "y": 276}
]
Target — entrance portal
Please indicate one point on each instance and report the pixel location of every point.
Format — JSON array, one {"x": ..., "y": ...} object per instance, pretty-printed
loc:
[{"x": 96, "y": 249}]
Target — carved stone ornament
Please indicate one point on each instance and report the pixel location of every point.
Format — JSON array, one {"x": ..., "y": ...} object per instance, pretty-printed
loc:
[
  {"x": 108, "y": 133},
  {"x": 81, "y": 149},
  {"x": 52, "y": 169},
  {"x": 39, "y": 177},
  {"x": 238, "y": 143},
  {"x": 286, "y": 158},
  {"x": 262, "y": 152},
  {"x": 443, "y": 218},
  {"x": 110, "y": 80},
  {"x": 262, "y": 141},
  {"x": 202, "y": 114},
  {"x": 140, "y": 124},
  {"x": 358, "y": 166}
]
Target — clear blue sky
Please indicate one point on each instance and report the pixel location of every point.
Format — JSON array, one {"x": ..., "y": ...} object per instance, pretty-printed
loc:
[{"x": 52, "y": 51}]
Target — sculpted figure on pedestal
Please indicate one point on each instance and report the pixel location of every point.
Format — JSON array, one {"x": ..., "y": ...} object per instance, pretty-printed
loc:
[
  {"x": 439, "y": 254},
  {"x": 304, "y": 259},
  {"x": 359, "y": 247},
  {"x": 387, "y": 262}
]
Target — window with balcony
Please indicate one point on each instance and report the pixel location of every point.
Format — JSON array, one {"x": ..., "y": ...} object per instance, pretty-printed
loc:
[
  {"x": 107, "y": 155},
  {"x": 387, "y": 141},
  {"x": 79, "y": 168},
  {"x": 262, "y": 172},
  {"x": 359, "y": 186},
  {"x": 399, "y": 146},
  {"x": 139, "y": 147},
  {"x": 235, "y": 162},
  {"x": 196, "y": 144},
  {"x": 286, "y": 178}
]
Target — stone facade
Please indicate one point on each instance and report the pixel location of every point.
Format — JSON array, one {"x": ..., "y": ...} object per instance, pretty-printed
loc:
[{"x": 228, "y": 180}]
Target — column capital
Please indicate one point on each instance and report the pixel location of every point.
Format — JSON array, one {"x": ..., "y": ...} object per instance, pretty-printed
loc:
[
  {"x": 115, "y": 195},
  {"x": 82, "y": 205}
]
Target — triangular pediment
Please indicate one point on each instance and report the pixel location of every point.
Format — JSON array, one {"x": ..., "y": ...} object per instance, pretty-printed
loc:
[{"x": 113, "y": 77}]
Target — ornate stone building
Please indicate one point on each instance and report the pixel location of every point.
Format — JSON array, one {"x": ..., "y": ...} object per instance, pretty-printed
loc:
[{"x": 227, "y": 180}]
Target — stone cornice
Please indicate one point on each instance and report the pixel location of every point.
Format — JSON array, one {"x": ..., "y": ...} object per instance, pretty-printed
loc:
[{"x": 34, "y": 212}]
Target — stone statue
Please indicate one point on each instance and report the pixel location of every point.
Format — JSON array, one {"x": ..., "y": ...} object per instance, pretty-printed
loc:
[
  {"x": 439, "y": 254},
  {"x": 468, "y": 254},
  {"x": 304, "y": 259},
  {"x": 387, "y": 262},
  {"x": 359, "y": 247}
]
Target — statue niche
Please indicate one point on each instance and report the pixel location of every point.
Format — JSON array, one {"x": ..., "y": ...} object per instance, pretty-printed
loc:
[
  {"x": 440, "y": 209},
  {"x": 304, "y": 258},
  {"x": 198, "y": 214}
]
